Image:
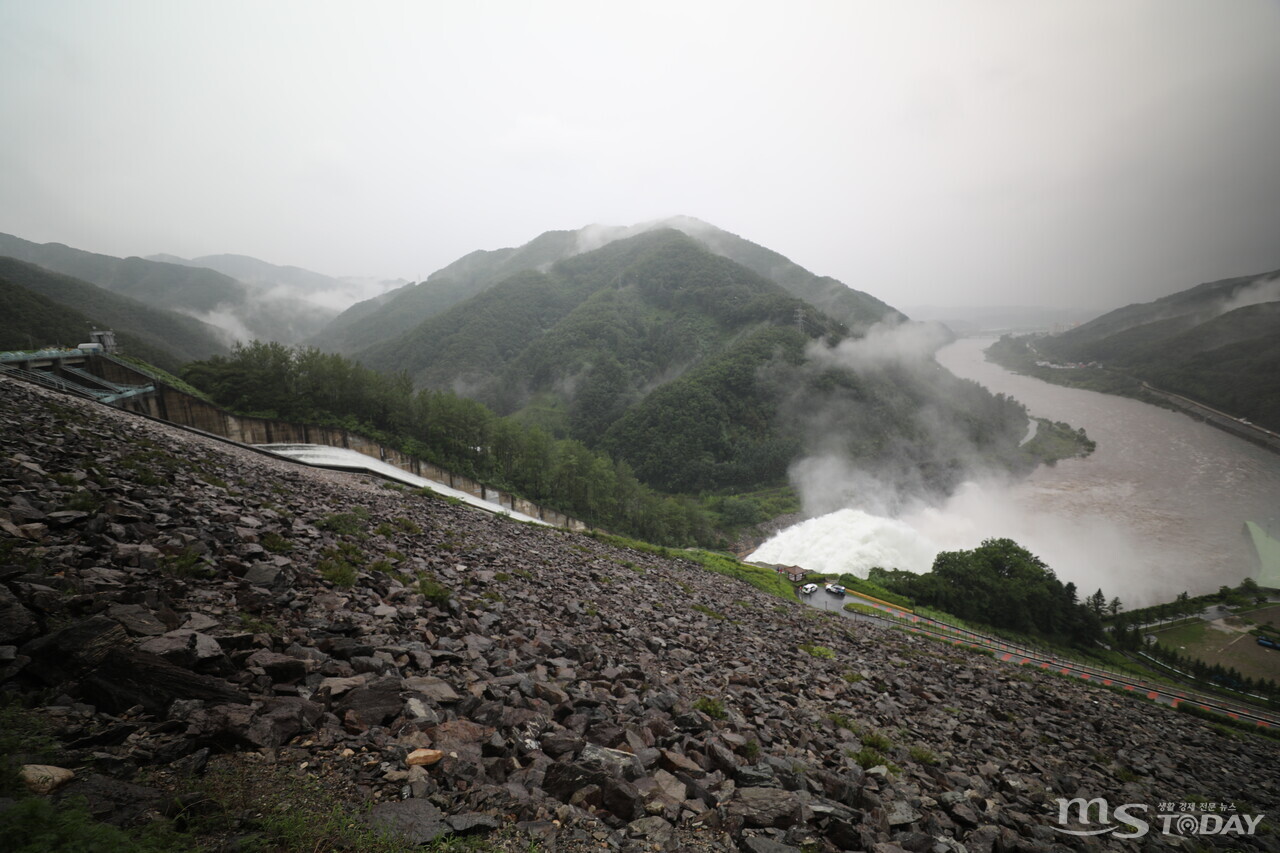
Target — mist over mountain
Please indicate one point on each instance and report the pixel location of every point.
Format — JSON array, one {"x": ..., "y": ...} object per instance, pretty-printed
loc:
[
  {"x": 284, "y": 304},
  {"x": 697, "y": 370},
  {"x": 289, "y": 302},
  {"x": 990, "y": 319},
  {"x": 375, "y": 320},
  {"x": 41, "y": 308},
  {"x": 1218, "y": 342}
]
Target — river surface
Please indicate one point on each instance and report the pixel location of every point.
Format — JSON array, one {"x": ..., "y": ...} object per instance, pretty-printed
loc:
[{"x": 1157, "y": 509}]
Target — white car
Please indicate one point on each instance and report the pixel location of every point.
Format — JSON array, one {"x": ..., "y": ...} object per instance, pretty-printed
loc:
[
  {"x": 835, "y": 589},
  {"x": 809, "y": 589}
]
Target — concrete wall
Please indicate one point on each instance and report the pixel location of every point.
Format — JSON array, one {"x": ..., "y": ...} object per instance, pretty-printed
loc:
[{"x": 170, "y": 404}]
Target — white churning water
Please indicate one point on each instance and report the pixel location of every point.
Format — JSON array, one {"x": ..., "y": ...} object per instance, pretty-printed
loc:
[{"x": 1159, "y": 507}]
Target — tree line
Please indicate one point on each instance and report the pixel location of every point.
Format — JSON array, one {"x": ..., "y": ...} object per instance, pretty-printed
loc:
[
  {"x": 1004, "y": 585},
  {"x": 304, "y": 384}
]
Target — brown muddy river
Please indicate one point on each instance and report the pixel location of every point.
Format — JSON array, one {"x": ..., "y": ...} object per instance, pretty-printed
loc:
[{"x": 1157, "y": 509}]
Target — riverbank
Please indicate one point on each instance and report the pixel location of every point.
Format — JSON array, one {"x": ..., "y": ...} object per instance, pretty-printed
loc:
[{"x": 1020, "y": 356}]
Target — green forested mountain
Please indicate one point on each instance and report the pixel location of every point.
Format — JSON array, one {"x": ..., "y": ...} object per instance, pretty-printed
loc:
[
  {"x": 283, "y": 303},
  {"x": 367, "y": 323},
  {"x": 1218, "y": 343},
  {"x": 164, "y": 285},
  {"x": 377, "y": 320},
  {"x": 240, "y": 310},
  {"x": 40, "y": 307},
  {"x": 856, "y": 310},
  {"x": 697, "y": 371}
]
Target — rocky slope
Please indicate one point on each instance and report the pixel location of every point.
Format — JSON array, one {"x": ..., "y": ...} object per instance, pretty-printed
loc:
[{"x": 169, "y": 602}]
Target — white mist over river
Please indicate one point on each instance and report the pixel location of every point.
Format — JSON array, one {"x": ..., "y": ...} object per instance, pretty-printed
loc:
[{"x": 1158, "y": 508}]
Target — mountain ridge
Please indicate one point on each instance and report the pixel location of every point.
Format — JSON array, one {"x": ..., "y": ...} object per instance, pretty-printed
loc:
[
  {"x": 613, "y": 345},
  {"x": 1217, "y": 342},
  {"x": 166, "y": 338},
  {"x": 476, "y": 271}
]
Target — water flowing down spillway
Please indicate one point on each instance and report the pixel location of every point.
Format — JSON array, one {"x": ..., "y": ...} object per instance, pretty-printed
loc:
[
  {"x": 852, "y": 541},
  {"x": 324, "y": 456},
  {"x": 1159, "y": 508}
]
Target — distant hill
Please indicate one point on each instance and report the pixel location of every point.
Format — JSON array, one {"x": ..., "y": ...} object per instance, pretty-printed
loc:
[
  {"x": 40, "y": 307},
  {"x": 191, "y": 289},
  {"x": 281, "y": 303},
  {"x": 698, "y": 371},
  {"x": 1003, "y": 319},
  {"x": 369, "y": 323},
  {"x": 267, "y": 307},
  {"x": 1217, "y": 342}
]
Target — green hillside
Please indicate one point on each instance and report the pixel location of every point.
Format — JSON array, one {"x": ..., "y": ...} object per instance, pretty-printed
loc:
[
  {"x": 655, "y": 303},
  {"x": 161, "y": 284},
  {"x": 377, "y": 320},
  {"x": 1218, "y": 343},
  {"x": 45, "y": 307},
  {"x": 697, "y": 372},
  {"x": 367, "y": 323},
  {"x": 853, "y": 308},
  {"x": 240, "y": 309}
]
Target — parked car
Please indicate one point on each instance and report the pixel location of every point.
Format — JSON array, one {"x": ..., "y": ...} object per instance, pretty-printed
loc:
[
  {"x": 835, "y": 589},
  {"x": 809, "y": 589}
]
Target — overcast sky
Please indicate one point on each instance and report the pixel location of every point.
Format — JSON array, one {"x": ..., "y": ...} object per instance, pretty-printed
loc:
[{"x": 1084, "y": 153}]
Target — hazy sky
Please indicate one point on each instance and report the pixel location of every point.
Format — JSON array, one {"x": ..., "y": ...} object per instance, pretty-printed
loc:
[{"x": 1072, "y": 153}]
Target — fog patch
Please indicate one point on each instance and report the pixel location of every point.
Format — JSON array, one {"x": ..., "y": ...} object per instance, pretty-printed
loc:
[
  {"x": 883, "y": 345},
  {"x": 593, "y": 237},
  {"x": 1256, "y": 293},
  {"x": 1078, "y": 539},
  {"x": 828, "y": 482},
  {"x": 919, "y": 416},
  {"x": 226, "y": 321}
]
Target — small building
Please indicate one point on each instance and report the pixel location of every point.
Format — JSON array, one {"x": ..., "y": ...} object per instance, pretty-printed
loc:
[{"x": 795, "y": 574}]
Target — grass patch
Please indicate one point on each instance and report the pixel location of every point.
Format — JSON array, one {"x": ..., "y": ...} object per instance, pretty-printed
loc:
[
  {"x": 820, "y": 652},
  {"x": 876, "y": 740},
  {"x": 707, "y": 611},
  {"x": 1189, "y": 634},
  {"x": 1225, "y": 721},
  {"x": 840, "y": 721},
  {"x": 921, "y": 755},
  {"x": 24, "y": 739},
  {"x": 427, "y": 492},
  {"x": 406, "y": 525},
  {"x": 83, "y": 500},
  {"x": 339, "y": 564},
  {"x": 188, "y": 564},
  {"x": 36, "y": 825},
  {"x": 256, "y": 625},
  {"x": 432, "y": 590},
  {"x": 344, "y": 523},
  {"x": 275, "y": 543},
  {"x": 713, "y": 708},
  {"x": 761, "y": 578},
  {"x": 866, "y": 758},
  {"x": 866, "y": 587}
]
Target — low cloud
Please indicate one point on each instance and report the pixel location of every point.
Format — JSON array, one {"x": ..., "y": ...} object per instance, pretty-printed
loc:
[
  {"x": 1260, "y": 291},
  {"x": 226, "y": 321},
  {"x": 884, "y": 344}
]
